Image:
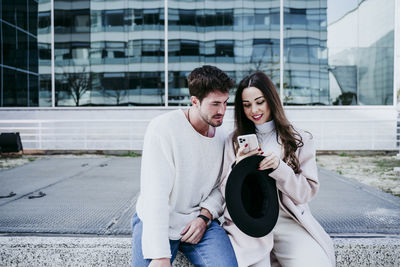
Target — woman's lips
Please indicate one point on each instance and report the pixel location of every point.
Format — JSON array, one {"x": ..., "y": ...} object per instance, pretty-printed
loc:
[{"x": 257, "y": 117}]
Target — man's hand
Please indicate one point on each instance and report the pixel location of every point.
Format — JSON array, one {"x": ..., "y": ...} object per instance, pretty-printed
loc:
[
  {"x": 195, "y": 230},
  {"x": 162, "y": 262}
]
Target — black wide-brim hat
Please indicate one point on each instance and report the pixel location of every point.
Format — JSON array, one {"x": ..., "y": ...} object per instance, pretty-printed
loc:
[{"x": 251, "y": 198}]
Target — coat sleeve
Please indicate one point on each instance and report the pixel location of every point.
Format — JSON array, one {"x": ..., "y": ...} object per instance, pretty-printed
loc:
[
  {"x": 300, "y": 188},
  {"x": 157, "y": 176},
  {"x": 229, "y": 159}
]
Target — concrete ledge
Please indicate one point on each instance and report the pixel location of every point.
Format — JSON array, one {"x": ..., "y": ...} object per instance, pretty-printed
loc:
[
  {"x": 367, "y": 251},
  {"x": 116, "y": 251}
]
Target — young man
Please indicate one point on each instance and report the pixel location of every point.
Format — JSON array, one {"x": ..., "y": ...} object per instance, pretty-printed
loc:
[{"x": 181, "y": 166}]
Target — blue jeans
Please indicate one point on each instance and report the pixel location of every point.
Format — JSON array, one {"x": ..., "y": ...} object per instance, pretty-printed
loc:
[{"x": 214, "y": 249}]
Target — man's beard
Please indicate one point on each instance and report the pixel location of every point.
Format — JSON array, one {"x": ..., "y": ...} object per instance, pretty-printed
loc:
[{"x": 209, "y": 121}]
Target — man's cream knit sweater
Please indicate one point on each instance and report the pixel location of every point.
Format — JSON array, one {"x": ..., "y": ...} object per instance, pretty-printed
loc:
[{"x": 180, "y": 174}]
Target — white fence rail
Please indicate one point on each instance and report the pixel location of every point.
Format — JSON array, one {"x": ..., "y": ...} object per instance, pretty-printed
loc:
[
  {"x": 78, "y": 134},
  {"x": 123, "y": 129}
]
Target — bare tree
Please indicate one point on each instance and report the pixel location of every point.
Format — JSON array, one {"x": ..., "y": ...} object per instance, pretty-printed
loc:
[
  {"x": 78, "y": 82},
  {"x": 258, "y": 63},
  {"x": 262, "y": 63},
  {"x": 117, "y": 93}
]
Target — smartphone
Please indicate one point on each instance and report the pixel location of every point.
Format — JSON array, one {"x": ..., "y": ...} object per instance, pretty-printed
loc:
[{"x": 250, "y": 139}]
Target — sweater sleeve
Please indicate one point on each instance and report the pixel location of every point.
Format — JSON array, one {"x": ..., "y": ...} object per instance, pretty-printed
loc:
[
  {"x": 213, "y": 203},
  {"x": 157, "y": 175},
  {"x": 302, "y": 187},
  {"x": 229, "y": 160}
]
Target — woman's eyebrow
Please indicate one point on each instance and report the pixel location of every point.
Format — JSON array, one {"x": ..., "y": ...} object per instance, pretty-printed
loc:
[{"x": 244, "y": 100}]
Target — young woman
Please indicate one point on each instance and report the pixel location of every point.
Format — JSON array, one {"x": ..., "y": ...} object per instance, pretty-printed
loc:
[{"x": 297, "y": 239}]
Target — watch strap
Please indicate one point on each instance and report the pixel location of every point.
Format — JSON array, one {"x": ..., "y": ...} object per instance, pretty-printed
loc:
[{"x": 205, "y": 218}]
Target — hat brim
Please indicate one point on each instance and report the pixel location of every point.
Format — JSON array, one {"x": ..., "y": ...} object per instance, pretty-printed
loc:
[{"x": 251, "y": 198}]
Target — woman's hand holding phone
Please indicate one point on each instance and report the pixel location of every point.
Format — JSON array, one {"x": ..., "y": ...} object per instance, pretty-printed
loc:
[
  {"x": 241, "y": 153},
  {"x": 248, "y": 146}
]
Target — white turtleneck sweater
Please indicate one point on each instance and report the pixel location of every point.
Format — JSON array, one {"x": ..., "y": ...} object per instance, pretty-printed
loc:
[
  {"x": 180, "y": 174},
  {"x": 267, "y": 138}
]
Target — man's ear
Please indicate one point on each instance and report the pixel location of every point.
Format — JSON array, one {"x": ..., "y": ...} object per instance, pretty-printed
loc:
[{"x": 194, "y": 100}]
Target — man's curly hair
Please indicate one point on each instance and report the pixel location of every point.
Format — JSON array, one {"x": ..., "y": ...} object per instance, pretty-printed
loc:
[{"x": 207, "y": 79}]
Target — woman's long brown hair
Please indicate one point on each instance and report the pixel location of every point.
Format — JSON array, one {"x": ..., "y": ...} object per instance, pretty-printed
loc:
[{"x": 289, "y": 137}]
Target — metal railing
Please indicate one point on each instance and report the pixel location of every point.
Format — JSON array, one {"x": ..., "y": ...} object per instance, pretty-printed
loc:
[
  {"x": 85, "y": 134},
  {"x": 78, "y": 134}
]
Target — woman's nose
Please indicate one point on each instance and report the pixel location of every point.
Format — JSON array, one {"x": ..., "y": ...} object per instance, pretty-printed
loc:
[{"x": 254, "y": 108}]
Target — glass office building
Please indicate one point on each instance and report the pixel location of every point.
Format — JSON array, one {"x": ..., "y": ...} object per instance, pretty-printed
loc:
[
  {"x": 69, "y": 53},
  {"x": 19, "y": 77}
]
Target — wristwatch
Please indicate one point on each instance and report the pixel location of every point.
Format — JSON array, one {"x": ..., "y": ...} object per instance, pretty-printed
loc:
[{"x": 205, "y": 218}]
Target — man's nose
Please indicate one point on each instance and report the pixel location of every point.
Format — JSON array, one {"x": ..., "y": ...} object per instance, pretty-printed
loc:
[{"x": 222, "y": 109}]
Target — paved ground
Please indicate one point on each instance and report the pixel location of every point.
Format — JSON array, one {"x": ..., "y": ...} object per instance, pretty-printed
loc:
[{"x": 96, "y": 196}]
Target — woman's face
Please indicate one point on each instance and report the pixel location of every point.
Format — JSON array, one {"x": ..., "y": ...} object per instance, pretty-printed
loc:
[{"x": 255, "y": 105}]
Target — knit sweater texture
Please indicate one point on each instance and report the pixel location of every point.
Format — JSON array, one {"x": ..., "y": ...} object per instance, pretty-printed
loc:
[{"x": 180, "y": 174}]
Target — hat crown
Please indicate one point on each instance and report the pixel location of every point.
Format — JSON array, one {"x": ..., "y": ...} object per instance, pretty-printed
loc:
[
  {"x": 251, "y": 198},
  {"x": 254, "y": 198}
]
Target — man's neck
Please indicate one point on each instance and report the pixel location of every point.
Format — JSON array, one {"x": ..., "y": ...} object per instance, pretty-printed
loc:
[{"x": 197, "y": 122}]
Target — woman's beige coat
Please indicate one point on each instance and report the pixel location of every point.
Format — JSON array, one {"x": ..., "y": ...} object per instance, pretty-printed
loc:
[{"x": 294, "y": 191}]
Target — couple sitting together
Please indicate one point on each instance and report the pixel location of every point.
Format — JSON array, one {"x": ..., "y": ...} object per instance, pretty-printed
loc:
[{"x": 187, "y": 161}]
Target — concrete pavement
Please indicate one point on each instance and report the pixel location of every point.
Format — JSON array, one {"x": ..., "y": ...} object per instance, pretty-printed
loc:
[{"x": 87, "y": 202}]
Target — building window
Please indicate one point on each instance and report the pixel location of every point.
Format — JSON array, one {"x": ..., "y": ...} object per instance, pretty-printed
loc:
[{"x": 333, "y": 54}]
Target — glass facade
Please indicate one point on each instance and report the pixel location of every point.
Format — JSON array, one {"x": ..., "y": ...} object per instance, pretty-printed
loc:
[
  {"x": 19, "y": 53},
  {"x": 361, "y": 53},
  {"x": 112, "y": 53},
  {"x": 237, "y": 39},
  {"x": 305, "y": 53}
]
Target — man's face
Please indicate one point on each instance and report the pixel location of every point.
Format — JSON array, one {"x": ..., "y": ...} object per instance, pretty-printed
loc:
[{"x": 212, "y": 108}]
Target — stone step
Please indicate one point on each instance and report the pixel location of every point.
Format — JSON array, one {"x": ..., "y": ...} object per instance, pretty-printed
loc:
[{"x": 116, "y": 251}]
